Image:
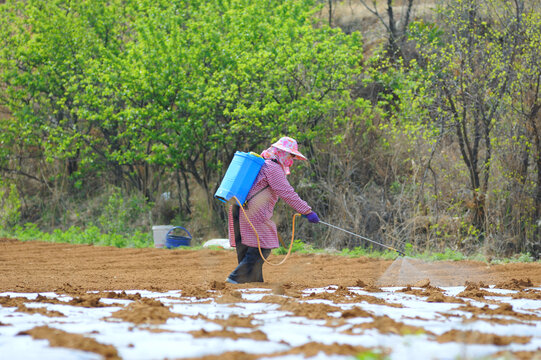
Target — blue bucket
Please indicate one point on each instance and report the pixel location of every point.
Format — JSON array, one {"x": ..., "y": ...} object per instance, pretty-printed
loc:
[
  {"x": 239, "y": 177},
  {"x": 173, "y": 241}
]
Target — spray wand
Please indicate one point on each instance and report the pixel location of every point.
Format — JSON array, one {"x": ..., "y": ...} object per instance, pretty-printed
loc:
[{"x": 362, "y": 237}]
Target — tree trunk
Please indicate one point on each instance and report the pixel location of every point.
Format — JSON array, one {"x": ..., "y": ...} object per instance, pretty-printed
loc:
[
  {"x": 330, "y": 13},
  {"x": 537, "y": 141},
  {"x": 183, "y": 204},
  {"x": 393, "y": 46}
]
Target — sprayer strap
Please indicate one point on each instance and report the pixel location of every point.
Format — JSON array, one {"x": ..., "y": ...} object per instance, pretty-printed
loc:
[
  {"x": 257, "y": 193},
  {"x": 253, "y": 196}
]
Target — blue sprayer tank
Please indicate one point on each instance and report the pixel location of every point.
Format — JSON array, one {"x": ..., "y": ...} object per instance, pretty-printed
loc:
[{"x": 240, "y": 176}]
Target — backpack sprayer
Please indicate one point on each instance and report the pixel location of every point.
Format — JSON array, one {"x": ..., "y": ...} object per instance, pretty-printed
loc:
[{"x": 236, "y": 184}]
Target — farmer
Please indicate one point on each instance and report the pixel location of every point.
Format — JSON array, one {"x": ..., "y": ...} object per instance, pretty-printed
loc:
[{"x": 270, "y": 185}]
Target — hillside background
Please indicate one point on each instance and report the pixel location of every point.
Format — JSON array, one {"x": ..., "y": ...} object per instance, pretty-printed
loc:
[{"x": 420, "y": 119}]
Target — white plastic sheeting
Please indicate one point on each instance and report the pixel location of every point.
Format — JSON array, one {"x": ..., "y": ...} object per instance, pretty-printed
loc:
[{"x": 282, "y": 329}]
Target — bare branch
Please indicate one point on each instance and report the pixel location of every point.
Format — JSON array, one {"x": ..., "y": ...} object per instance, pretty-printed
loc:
[
  {"x": 19, "y": 172},
  {"x": 375, "y": 12}
]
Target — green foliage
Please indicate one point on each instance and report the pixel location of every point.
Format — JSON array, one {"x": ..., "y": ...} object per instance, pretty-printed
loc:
[
  {"x": 406, "y": 99},
  {"x": 408, "y": 249},
  {"x": 432, "y": 33},
  {"x": 455, "y": 255},
  {"x": 75, "y": 235},
  {"x": 10, "y": 206},
  {"x": 467, "y": 61},
  {"x": 128, "y": 87},
  {"x": 59, "y": 68},
  {"x": 371, "y": 355},
  {"x": 249, "y": 71},
  {"x": 298, "y": 246},
  {"x": 123, "y": 85},
  {"x": 516, "y": 258},
  {"x": 448, "y": 254},
  {"x": 359, "y": 251},
  {"x": 118, "y": 214}
]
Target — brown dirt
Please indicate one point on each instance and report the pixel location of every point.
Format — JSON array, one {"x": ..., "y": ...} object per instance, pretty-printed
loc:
[
  {"x": 433, "y": 294},
  {"x": 309, "y": 311},
  {"x": 517, "y": 355},
  {"x": 527, "y": 294},
  {"x": 476, "y": 337},
  {"x": 254, "y": 335},
  {"x": 515, "y": 284},
  {"x": 59, "y": 338},
  {"x": 38, "y": 266},
  {"x": 503, "y": 309},
  {"x": 23, "y": 308},
  {"x": 494, "y": 320},
  {"x": 473, "y": 291},
  {"x": 346, "y": 296},
  {"x": 386, "y": 325},
  {"x": 145, "y": 311}
]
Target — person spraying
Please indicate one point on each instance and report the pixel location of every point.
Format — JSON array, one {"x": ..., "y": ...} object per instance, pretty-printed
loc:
[{"x": 270, "y": 185}]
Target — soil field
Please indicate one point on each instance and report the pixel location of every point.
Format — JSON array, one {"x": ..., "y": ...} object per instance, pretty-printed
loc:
[
  {"x": 93, "y": 302},
  {"x": 37, "y": 266}
]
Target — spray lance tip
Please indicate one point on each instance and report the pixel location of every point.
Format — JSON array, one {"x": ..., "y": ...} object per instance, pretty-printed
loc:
[{"x": 399, "y": 252}]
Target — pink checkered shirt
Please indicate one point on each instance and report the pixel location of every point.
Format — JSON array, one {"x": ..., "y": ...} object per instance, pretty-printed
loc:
[{"x": 260, "y": 207}]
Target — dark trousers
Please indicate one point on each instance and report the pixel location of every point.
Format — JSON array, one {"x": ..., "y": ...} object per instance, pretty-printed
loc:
[{"x": 250, "y": 268}]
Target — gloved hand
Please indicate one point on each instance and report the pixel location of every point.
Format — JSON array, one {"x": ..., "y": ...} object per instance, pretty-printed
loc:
[{"x": 312, "y": 217}]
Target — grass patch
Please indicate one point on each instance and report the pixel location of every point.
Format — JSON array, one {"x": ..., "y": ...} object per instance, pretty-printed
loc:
[
  {"x": 369, "y": 252},
  {"x": 299, "y": 247},
  {"x": 371, "y": 355},
  {"x": 517, "y": 258},
  {"x": 76, "y": 235},
  {"x": 92, "y": 235}
]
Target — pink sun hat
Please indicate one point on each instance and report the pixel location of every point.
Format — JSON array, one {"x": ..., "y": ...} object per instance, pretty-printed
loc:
[{"x": 289, "y": 145}]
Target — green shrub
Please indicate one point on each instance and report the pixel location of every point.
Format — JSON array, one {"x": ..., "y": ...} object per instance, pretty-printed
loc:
[
  {"x": 298, "y": 246},
  {"x": 10, "y": 206},
  {"x": 517, "y": 258},
  {"x": 75, "y": 235},
  {"x": 370, "y": 355},
  {"x": 92, "y": 235},
  {"x": 118, "y": 214},
  {"x": 447, "y": 255},
  {"x": 369, "y": 252}
]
